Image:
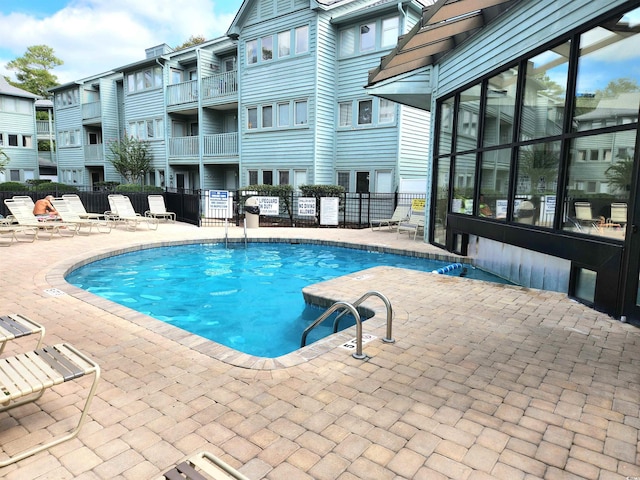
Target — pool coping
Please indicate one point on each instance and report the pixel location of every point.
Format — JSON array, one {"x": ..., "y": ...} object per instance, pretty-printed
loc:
[{"x": 55, "y": 276}]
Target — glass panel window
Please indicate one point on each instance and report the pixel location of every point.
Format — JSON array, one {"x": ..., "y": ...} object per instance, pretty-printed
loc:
[
  {"x": 267, "y": 177},
  {"x": 608, "y": 82},
  {"x": 301, "y": 113},
  {"x": 446, "y": 127},
  {"x": 387, "y": 112},
  {"x": 494, "y": 183},
  {"x": 13, "y": 140},
  {"x": 343, "y": 180},
  {"x": 499, "y": 108},
  {"x": 267, "y": 48},
  {"x": 253, "y": 177},
  {"x": 598, "y": 192},
  {"x": 284, "y": 44},
  {"x": 157, "y": 76},
  {"x": 252, "y": 52},
  {"x": 283, "y": 115},
  {"x": 537, "y": 177},
  {"x": 389, "y": 32},
  {"x": 346, "y": 112},
  {"x": 27, "y": 141},
  {"x": 443, "y": 168},
  {"x": 545, "y": 93},
  {"x": 367, "y": 37},
  {"x": 139, "y": 81},
  {"x": 362, "y": 182},
  {"x": 283, "y": 177},
  {"x": 148, "y": 78},
  {"x": 267, "y": 116},
  {"x": 468, "y": 119},
  {"x": 464, "y": 177},
  {"x": 302, "y": 39},
  {"x": 252, "y": 118},
  {"x": 347, "y": 42},
  {"x": 365, "y": 108}
]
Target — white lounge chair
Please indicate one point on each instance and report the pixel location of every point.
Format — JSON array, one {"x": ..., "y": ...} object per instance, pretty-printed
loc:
[
  {"x": 68, "y": 215},
  {"x": 25, "y": 377},
  {"x": 399, "y": 214},
  {"x": 122, "y": 212},
  {"x": 157, "y": 209},
  {"x": 26, "y": 218},
  {"x": 11, "y": 231},
  {"x": 203, "y": 466},
  {"x": 414, "y": 223},
  {"x": 75, "y": 202},
  {"x": 16, "y": 326}
]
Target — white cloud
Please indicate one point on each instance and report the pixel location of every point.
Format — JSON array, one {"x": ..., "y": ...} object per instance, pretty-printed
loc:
[{"x": 94, "y": 36}]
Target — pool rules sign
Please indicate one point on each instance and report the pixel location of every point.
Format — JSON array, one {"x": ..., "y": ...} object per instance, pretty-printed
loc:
[{"x": 219, "y": 204}]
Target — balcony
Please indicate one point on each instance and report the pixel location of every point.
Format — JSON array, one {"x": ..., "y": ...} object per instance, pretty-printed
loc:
[
  {"x": 94, "y": 153},
  {"x": 91, "y": 111},
  {"x": 42, "y": 128},
  {"x": 217, "y": 87},
  {"x": 219, "y": 145}
]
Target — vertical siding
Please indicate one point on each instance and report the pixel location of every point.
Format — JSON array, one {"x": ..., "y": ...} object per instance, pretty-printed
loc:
[
  {"x": 415, "y": 128},
  {"x": 110, "y": 122},
  {"x": 523, "y": 28}
]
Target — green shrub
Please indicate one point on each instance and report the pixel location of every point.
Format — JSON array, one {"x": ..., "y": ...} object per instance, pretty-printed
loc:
[
  {"x": 55, "y": 187},
  {"x": 321, "y": 190},
  {"x": 13, "y": 187},
  {"x": 135, "y": 188}
]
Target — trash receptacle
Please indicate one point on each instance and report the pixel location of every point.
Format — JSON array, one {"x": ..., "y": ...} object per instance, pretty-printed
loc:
[{"x": 252, "y": 212}]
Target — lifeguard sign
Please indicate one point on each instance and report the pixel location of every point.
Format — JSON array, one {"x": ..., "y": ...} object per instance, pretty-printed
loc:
[{"x": 219, "y": 204}]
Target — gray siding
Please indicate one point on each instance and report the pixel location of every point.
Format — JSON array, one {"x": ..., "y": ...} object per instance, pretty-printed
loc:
[
  {"x": 20, "y": 124},
  {"x": 415, "y": 128},
  {"x": 111, "y": 129}
]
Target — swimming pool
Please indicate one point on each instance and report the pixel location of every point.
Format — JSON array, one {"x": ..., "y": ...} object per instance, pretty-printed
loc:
[{"x": 249, "y": 299}]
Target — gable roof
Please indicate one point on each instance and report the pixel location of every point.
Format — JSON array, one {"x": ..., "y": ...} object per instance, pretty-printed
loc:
[{"x": 7, "y": 89}]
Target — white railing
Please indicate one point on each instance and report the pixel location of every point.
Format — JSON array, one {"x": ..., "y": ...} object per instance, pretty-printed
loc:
[
  {"x": 91, "y": 110},
  {"x": 221, "y": 145},
  {"x": 94, "y": 153},
  {"x": 185, "y": 92},
  {"x": 220, "y": 85},
  {"x": 183, "y": 147},
  {"x": 42, "y": 127}
]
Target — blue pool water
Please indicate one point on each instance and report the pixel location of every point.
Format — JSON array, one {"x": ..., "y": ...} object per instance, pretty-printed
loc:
[{"x": 249, "y": 299}]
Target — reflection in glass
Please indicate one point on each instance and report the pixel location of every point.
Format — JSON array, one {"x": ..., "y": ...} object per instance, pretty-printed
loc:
[
  {"x": 494, "y": 186},
  {"x": 468, "y": 109},
  {"x": 464, "y": 177},
  {"x": 499, "y": 108},
  {"x": 607, "y": 86},
  {"x": 443, "y": 167},
  {"x": 545, "y": 93},
  {"x": 600, "y": 169},
  {"x": 446, "y": 127},
  {"x": 537, "y": 184}
]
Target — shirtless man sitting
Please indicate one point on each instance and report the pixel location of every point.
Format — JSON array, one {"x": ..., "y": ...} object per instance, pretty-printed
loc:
[{"x": 44, "y": 207}]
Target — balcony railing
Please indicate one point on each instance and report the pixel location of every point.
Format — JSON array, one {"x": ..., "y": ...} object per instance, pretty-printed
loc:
[
  {"x": 94, "y": 153},
  {"x": 219, "y": 145},
  {"x": 42, "y": 127},
  {"x": 215, "y": 86},
  {"x": 91, "y": 110}
]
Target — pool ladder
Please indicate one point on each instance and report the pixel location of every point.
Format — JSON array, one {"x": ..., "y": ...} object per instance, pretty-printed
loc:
[
  {"x": 352, "y": 308},
  {"x": 226, "y": 233}
]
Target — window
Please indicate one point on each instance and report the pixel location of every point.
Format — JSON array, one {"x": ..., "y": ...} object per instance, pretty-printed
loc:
[
  {"x": 14, "y": 175},
  {"x": 343, "y": 180},
  {"x": 387, "y": 111},
  {"x": 347, "y": 42},
  {"x": 67, "y": 98},
  {"x": 267, "y": 48},
  {"x": 284, "y": 44},
  {"x": 267, "y": 116},
  {"x": 252, "y": 52},
  {"x": 267, "y": 177},
  {"x": 367, "y": 37},
  {"x": 13, "y": 140},
  {"x": 302, "y": 39},
  {"x": 362, "y": 182},
  {"x": 283, "y": 115},
  {"x": 389, "y": 36},
  {"x": 147, "y": 129},
  {"x": 365, "y": 108},
  {"x": 345, "y": 113},
  {"x": 253, "y": 177},
  {"x": 27, "y": 141},
  {"x": 300, "y": 112},
  {"x": 283, "y": 177},
  {"x": 144, "y": 79},
  {"x": 252, "y": 118}
]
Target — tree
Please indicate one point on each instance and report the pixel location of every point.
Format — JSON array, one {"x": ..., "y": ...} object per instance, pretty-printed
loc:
[
  {"x": 4, "y": 160},
  {"x": 617, "y": 86},
  {"x": 619, "y": 174},
  {"x": 130, "y": 157},
  {"x": 193, "y": 40},
  {"x": 33, "y": 70}
]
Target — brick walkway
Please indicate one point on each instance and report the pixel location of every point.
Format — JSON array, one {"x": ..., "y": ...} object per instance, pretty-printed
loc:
[{"x": 483, "y": 381}]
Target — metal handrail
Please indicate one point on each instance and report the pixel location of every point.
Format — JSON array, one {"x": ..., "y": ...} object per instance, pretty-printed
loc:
[
  {"x": 245, "y": 233},
  {"x": 338, "y": 305},
  {"x": 226, "y": 233},
  {"x": 357, "y": 303}
]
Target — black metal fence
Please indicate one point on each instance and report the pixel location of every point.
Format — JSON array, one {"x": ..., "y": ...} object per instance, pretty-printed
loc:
[{"x": 354, "y": 210}]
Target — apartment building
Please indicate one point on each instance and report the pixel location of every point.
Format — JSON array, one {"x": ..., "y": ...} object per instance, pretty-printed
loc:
[{"x": 279, "y": 99}]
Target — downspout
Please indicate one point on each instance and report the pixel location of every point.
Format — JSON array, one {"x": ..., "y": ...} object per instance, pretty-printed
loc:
[
  {"x": 200, "y": 129},
  {"x": 165, "y": 116},
  {"x": 404, "y": 18}
]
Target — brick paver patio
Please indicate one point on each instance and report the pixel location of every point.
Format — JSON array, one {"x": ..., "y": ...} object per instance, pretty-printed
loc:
[{"x": 483, "y": 381}]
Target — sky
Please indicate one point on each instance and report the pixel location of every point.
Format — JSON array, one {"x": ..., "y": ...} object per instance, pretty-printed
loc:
[{"x": 95, "y": 36}]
